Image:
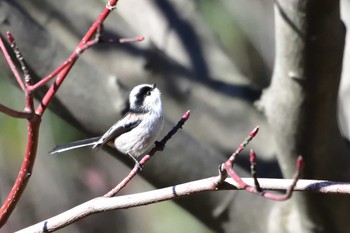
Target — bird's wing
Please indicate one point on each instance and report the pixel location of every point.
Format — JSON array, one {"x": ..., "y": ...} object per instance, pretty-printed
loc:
[{"x": 127, "y": 123}]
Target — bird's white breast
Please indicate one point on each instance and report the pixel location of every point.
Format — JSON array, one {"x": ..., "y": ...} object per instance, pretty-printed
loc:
[{"x": 140, "y": 139}]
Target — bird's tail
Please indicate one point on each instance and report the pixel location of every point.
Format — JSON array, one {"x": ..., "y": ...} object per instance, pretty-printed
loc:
[{"x": 74, "y": 145}]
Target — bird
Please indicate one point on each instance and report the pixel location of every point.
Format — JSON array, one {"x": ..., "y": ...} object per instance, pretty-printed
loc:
[{"x": 136, "y": 132}]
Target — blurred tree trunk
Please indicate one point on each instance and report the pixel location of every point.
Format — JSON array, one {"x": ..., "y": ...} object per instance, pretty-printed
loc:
[{"x": 301, "y": 106}]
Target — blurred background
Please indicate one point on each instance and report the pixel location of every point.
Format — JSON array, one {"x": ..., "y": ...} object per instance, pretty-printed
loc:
[
  {"x": 237, "y": 42},
  {"x": 62, "y": 182}
]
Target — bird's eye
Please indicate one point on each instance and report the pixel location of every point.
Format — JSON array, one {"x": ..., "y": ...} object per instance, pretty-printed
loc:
[{"x": 148, "y": 93}]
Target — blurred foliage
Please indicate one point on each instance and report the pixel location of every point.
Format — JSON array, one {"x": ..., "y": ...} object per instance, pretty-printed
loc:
[
  {"x": 74, "y": 179},
  {"x": 237, "y": 45},
  {"x": 228, "y": 32}
]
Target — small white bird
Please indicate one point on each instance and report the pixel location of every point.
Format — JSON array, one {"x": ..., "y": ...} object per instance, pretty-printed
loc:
[{"x": 136, "y": 132}]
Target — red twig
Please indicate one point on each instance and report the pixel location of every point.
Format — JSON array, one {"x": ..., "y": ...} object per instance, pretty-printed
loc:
[
  {"x": 278, "y": 197},
  {"x": 289, "y": 191},
  {"x": 227, "y": 169},
  {"x": 252, "y": 161},
  {"x": 244, "y": 143},
  {"x": 14, "y": 113},
  {"x": 25, "y": 171},
  {"x": 11, "y": 65},
  {"x": 158, "y": 147},
  {"x": 73, "y": 57},
  {"x": 27, "y": 78},
  {"x": 78, "y": 51},
  {"x": 34, "y": 118},
  {"x": 49, "y": 77},
  {"x": 32, "y": 138},
  {"x": 124, "y": 40}
]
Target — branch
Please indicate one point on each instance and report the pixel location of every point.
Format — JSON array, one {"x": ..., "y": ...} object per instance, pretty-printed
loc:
[
  {"x": 102, "y": 204},
  {"x": 25, "y": 171},
  {"x": 27, "y": 78},
  {"x": 227, "y": 169},
  {"x": 11, "y": 64},
  {"x": 74, "y": 57},
  {"x": 108, "y": 202},
  {"x": 13, "y": 113},
  {"x": 32, "y": 139}
]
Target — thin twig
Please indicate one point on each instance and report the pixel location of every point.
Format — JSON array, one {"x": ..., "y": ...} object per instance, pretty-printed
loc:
[
  {"x": 73, "y": 57},
  {"x": 227, "y": 169},
  {"x": 34, "y": 119},
  {"x": 14, "y": 113},
  {"x": 20, "y": 59},
  {"x": 69, "y": 61},
  {"x": 252, "y": 161},
  {"x": 49, "y": 77},
  {"x": 123, "y": 40},
  {"x": 252, "y": 134},
  {"x": 290, "y": 189},
  {"x": 11, "y": 65},
  {"x": 27, "y": 78}
]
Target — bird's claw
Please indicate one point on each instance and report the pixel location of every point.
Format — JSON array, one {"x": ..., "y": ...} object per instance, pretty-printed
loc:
[{"x": 137, "y": 163}]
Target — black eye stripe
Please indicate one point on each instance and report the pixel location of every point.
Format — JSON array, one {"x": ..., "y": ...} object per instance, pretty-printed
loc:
[
  {"x": 140, "y": 96},
  {"x": 143, "y": 91}
]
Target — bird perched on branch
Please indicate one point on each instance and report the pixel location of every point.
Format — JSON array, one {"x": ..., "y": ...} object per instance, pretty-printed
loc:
[{"x": 136, "y": 132}]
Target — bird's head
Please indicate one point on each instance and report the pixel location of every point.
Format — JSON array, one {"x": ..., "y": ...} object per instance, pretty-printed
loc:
[{"x": 146, "y": 98}]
